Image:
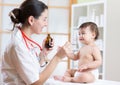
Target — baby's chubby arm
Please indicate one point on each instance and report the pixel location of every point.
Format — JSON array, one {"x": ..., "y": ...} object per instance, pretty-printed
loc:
[
  {"x": 69, "y": 51},
  {"x": 96, "y": 62},
  {"x": 97, "y": 59}
]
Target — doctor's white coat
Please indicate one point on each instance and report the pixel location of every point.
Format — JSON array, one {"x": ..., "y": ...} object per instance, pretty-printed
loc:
[{"x": 20, "y": 65}]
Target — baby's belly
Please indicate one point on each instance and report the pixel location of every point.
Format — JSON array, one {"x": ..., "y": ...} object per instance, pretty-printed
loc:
[{"x": 83, "y": 61}]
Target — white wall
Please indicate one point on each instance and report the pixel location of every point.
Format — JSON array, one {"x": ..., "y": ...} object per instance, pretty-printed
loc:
[{"x": 112, "y": 61}]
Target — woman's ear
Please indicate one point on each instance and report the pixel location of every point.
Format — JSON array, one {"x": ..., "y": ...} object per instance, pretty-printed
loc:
[{"x": 31, "y": 20}]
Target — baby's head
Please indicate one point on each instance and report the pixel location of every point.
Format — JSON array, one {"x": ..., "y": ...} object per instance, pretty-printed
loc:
[{"x": 92, "y": 27}]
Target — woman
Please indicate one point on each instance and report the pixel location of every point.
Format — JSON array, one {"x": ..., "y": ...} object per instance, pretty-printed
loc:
[{"x": 21, "y": 63}]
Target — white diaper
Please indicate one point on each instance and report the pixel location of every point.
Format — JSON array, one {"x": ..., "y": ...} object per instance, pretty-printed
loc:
[
  {"x": 77, "y": 74},
  {"x": 94, "y": 72}
]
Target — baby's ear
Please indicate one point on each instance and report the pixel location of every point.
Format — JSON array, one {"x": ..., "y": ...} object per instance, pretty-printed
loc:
[{"x": 93, "y": 35}]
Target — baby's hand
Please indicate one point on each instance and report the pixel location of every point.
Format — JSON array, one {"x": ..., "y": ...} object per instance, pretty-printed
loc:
[
  {"x": 62, "y": 51},
  {"x": 83, "y": 67},
  {"x": 68, "y": 49}
]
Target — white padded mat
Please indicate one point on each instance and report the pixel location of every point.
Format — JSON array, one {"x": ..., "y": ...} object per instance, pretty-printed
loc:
[{"x": 97, "y": 82}]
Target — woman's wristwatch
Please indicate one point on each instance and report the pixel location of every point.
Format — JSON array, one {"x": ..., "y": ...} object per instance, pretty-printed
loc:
[{"x": 45, "y": 63}]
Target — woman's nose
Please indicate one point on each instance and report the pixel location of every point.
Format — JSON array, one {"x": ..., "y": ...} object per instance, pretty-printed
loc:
[{"x": 46, "y": 23}]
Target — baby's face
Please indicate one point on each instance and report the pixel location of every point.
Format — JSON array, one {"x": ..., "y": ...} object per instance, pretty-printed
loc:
[{"x": 85, "y": 35}]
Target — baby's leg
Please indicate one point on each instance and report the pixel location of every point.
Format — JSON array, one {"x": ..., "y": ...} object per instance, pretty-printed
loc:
[
  {"x": 67, "y": 76},
  {"x": 60, "y": 78},
  {"x": 70, "y": 72},
  {"x": 85, "y": 77},
  {"x": 63, "y": 78}
]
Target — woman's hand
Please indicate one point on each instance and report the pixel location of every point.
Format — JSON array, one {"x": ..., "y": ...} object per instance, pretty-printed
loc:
[
  {"x": 60, "y": 52},
  {"x": 46, "y": 51}
]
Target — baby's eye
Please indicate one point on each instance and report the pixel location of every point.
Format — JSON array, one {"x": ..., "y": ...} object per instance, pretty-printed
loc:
[{"x": 83, "y": 33}]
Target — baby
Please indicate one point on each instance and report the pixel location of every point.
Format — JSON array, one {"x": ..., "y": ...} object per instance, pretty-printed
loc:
[{"x": 89, "y": 56}]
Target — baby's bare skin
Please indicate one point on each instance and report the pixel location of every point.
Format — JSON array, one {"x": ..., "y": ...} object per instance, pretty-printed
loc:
[{"x": 88, "y": 56}]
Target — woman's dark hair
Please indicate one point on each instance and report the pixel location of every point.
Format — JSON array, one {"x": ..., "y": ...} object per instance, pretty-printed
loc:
[
  {"x": 93, "y": 28},
  {"x": 28, "y": 8}
]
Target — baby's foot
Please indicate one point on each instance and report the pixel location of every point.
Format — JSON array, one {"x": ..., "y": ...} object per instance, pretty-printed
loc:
[
  {"x": 60, "y": 78},
  {"x": 67, "y": 79}
]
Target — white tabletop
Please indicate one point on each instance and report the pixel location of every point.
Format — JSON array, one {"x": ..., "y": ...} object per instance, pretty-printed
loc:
[{"x": 97, "y": 82}]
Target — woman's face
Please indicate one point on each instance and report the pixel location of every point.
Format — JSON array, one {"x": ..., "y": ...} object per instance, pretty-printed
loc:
[{"x": 40, "y": 23}]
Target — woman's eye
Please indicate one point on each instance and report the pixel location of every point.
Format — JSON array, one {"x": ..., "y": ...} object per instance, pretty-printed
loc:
[{"x": 45, "y": 19}]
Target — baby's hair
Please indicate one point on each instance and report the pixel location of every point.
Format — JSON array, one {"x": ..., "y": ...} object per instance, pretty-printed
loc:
[{"x": 93, "y": 28}]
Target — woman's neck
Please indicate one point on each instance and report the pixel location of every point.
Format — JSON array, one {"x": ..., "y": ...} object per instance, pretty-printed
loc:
[{"x": 27, "y": 31}]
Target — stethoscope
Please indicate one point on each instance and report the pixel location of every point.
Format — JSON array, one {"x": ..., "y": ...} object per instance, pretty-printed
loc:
[{"x": 25, "y": 39}]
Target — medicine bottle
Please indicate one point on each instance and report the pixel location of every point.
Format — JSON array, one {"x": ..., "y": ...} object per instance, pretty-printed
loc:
[{"x": 48, "y": 42}]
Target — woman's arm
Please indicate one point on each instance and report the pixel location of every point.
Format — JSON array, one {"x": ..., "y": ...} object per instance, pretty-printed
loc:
[
  {"x": 44, "y": 75},
  {"x": 45, "y": 51}
]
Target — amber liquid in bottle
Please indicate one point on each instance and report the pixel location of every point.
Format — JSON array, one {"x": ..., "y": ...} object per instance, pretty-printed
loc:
[{"x": 48, "y": 42}]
